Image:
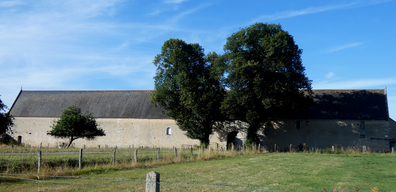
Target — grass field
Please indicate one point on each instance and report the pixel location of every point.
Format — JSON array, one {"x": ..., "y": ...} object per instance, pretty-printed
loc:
[{"x": 277, "y": 171}]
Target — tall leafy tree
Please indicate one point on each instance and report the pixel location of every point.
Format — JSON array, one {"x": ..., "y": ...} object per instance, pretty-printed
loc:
[
  {"x": 266, "y": 78},
  {"x": 187, "y": 88},
  {"x": 6, "y": 120},
  {"x": 73, "y": 125}
]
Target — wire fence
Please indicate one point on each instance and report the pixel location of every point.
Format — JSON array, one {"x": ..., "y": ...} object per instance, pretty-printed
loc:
[
  {"x": 25, "y": 161},
  {"x": 331, "y": 149},
  {"x": 17, "y": 162}
]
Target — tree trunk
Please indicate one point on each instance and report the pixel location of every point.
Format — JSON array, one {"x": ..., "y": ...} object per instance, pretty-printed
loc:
[
  {"x": 70, "y": 142},
  {"x": 252, "y": 136},
  {"x": 204, "y": 142}
]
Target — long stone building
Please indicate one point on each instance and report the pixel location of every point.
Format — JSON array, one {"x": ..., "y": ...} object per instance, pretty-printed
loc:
[{"x": 345, "y": 118}]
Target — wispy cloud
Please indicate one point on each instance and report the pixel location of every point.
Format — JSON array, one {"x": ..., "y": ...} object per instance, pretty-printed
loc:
[
  {"x": 353, "y": 84},
  {"x": 62, "y": 45},
  {"x": 330, "y": 75},
  {"x": 312, "y": 10},
  {"x": 183, "y": 14},
  {"x": 156, "y": 12},
  {"x": 342, "y": 47},
  {"x": 10, "y": 3},
  {"x": 174, "y": 1}
]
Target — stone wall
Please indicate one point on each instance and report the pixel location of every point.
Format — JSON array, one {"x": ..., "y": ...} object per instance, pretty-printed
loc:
[
  {"x": 153, "y": 132},
  {"x": 325, "y": 133},
  {"x": 119, "y": 132}
]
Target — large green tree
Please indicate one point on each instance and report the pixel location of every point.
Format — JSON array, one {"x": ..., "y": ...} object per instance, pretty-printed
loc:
[
  {"x": 73, "y": 125},
  {"x": 187, "y": 88},
  {"x": 265, "y": 75},
  {"x": 5, "y": 118}
]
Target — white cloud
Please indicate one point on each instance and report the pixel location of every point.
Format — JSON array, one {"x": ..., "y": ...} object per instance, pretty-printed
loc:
[
  {"x": 339, "y": 48},
  {"x": 330, "y": 75}
]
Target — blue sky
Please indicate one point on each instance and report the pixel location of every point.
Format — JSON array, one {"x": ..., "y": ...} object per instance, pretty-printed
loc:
[{"x": 110, "y": 44}]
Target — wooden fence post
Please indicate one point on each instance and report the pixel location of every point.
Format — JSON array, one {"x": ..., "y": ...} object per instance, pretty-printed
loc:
[
  {"x": 136, "y": 159},
  {"x": 158, "y": 154},
  {"x": 175, "y": 152},
  {"x": 393, "y": 149},
  {"x": 332, "y": 148},
  {"x": 274, "y": 147},
  {"x": 114, "y": 155},
  {"x": 290, "y": 148},
  {"x": 38, "y": 161},
  {"x": 192, "y": 155},
  {"x": 80, "y": 156},
  {"x": 203, "y": 150},
  {"x": 364, "y": 148},
  {"x": 152, "y": 182}
]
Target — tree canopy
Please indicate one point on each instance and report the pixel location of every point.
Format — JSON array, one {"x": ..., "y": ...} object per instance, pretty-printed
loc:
[
  {"x": 5, "y": 119},
  {"x": 73, "y": 125},
  {"x": 187, "y": 88},
  {"x": 265, "y": 75}
]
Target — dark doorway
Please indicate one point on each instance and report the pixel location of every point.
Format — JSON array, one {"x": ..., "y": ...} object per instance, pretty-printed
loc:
[
  {"x": 20, "y": 139},
  {"x": 392, "y": 144},
  {"x": 231, "y": 139}
]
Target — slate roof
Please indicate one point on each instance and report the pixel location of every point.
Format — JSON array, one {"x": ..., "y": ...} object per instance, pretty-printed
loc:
[
  {"x": 352, "y": 104},
  {"x": 357, "y": 104},
  {"x": 103, "y": 104}
]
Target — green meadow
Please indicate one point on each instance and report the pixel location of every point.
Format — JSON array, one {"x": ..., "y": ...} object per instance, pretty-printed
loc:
[{"x": 244, "y": 172}]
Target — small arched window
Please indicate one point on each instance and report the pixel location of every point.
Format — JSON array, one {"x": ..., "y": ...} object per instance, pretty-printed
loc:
[{"x": 169, "y": 131}]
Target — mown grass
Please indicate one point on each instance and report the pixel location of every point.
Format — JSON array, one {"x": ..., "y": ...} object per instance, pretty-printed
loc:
[{"x": 278, "y": 171}]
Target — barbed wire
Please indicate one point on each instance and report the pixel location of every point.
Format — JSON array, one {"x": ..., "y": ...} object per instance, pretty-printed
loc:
[
  {"x": 71, "y": 177},
  {"x": 214, "y": 185},
  {"x": 58, "y": 182},
  {"x": 235, "y": 187}
]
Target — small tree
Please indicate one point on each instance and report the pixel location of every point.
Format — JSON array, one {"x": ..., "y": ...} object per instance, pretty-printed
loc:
[
  {"x": 5, "y": 119},
  {"x": 74, "y": 125}
]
